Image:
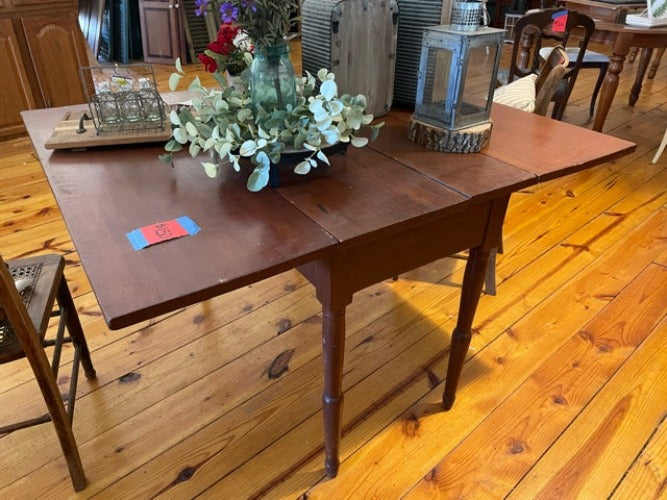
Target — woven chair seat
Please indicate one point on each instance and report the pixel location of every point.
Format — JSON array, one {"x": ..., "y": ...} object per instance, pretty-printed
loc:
[{"x": 41, "y": 276}]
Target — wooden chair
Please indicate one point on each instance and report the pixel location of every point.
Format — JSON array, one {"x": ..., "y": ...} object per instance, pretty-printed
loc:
[
  {"x": 535, "y": 28},
  {"x": 550, "y": 76},
  {"x": 24, "y": 320}
]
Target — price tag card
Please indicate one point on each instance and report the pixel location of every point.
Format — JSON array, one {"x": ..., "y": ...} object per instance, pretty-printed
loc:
[
  {"x": 559, "y": 21},
  {"x": 162, "y": 231}
]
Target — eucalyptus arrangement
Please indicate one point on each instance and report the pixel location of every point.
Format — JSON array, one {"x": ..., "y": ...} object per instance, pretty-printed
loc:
[{"x": 225, "y": 124}]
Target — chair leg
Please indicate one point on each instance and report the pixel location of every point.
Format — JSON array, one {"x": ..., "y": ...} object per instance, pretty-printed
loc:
[
  {"x": 598, "y": 84},
  {"x": 74, "y": 328},
  {"x": 633, "y": 54},
  {"x": 661, "y": 148},
  {"x": 656, "y": 63},
  {"x": 490, "y": 279},
  {"x": 49, "y": 387}
]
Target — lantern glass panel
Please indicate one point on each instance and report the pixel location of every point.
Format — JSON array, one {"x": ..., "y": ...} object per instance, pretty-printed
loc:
[
  {"x": 437, "y": 79},
  {"x": 474, "y": 105}
]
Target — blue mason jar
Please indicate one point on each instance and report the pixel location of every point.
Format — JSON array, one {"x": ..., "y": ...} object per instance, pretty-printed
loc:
[{"x": 271, "y": 78}]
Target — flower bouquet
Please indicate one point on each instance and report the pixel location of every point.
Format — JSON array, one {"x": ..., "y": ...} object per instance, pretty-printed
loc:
[
  {"x": 230, "y": 51},
  {"x": 230, "y": 123}
]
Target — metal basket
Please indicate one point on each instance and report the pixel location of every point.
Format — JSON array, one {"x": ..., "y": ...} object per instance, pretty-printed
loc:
[
  {"x": 123, "y": 97},
  {"x": 466, "y": 16}
]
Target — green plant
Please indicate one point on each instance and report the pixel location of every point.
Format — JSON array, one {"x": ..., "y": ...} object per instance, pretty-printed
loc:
[{"x": 224, "y": 124}]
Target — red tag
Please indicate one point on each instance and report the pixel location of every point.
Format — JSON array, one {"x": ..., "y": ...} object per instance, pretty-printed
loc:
[
  {"x": 559, "y": 21},
  {"x": 163, "y": 231}
]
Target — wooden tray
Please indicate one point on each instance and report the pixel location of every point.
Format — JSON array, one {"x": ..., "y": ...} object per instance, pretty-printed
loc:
[{"x": 65, "y": 135}]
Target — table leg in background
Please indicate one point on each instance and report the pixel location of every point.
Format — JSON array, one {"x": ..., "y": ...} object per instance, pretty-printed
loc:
[
  {"x": 644, "y": 61},
  {"x": 610, "y": 84}
]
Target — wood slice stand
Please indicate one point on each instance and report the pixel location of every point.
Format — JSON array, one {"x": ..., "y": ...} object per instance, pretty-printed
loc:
[{"x": 464, "y": 140}]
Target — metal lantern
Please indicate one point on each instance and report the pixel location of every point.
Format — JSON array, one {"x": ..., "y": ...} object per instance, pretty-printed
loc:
[{"x": 457, "y": 76}]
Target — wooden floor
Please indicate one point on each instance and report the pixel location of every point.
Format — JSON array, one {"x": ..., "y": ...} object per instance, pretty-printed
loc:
[{"x": 564, "y": 393}]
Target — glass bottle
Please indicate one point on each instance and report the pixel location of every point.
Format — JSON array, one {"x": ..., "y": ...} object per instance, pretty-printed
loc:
[{"x": 271, "y": 79}]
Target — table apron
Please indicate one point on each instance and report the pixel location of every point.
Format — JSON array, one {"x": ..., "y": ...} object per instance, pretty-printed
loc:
[{"x": 345, "y": 272}]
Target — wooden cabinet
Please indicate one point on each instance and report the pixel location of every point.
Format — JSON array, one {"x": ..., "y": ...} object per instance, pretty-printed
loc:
[
  {"x": 41, "y": 50},
  {"x": 162, "y": 31},
  {"x": 15, "y": 93}
]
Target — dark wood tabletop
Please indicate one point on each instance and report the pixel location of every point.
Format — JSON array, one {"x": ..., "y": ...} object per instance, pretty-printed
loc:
[{"x": 376, "y": 212}]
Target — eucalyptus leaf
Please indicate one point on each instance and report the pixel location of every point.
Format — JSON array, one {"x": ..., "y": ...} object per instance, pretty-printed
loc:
[
  {"x": 262, "y": 133},
  {"x": 248, "y": 148},
  {"x": 331, "y": 136},
  {"x": 191, "y": 129},
  {"x": 262, "y": 159},
  {"x": 302, "y": 167},
  {"x": 375, "y": 131},
  {"x": 322, "y": 157},
  {"x": 166, "y": 157},
  {"x": 185, "y": 116},
  {"x": 258, "y": 179},
  {"x": 174, "y": 80},
  {"x": 328, "y": 89},
  {"x": 222, "y": 81},
  {"x": 195, "y": 149},
  {"x": 211, "y": 169},
  {"x": 335, "y": 107},
  {"x": 196, "y": 84},
  {"x": 204, "y": 130},
  {"x": 173, "y": 146},
  {"x": 244, "y": 114},
  {"x": 359, "y": 142},
  {"x": 180, "y": 135},
  {"x": 221, "y": 105},
  {"x": 179, "y": 66},
  {"x": 174, "y": 119}
]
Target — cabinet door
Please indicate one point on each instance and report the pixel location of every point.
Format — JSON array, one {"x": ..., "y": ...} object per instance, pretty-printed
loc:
[
  {"x": 15, "y": 93},
  {"x": 162, "y": 32},
  {"x": 57, "y": 51}
]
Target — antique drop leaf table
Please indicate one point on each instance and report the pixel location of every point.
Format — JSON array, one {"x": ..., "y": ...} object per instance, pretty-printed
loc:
[{"x": 380, "y": 211}]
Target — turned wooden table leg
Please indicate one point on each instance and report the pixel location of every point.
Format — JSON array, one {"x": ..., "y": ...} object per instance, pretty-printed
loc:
[
  {"x": 610, "y": 84},
  {"x": 331, "y": 279},
  {"x": 473, "y": 281},
  {"x": 333, "y": 350},
  {"x": 644, "y": 61}
]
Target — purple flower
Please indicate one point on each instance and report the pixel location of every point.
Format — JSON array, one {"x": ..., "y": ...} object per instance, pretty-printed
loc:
[
  {"x": 228, "y": 12},
  {"x": 249, "y": 4},
  {"x": 201, "y": 7}
]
